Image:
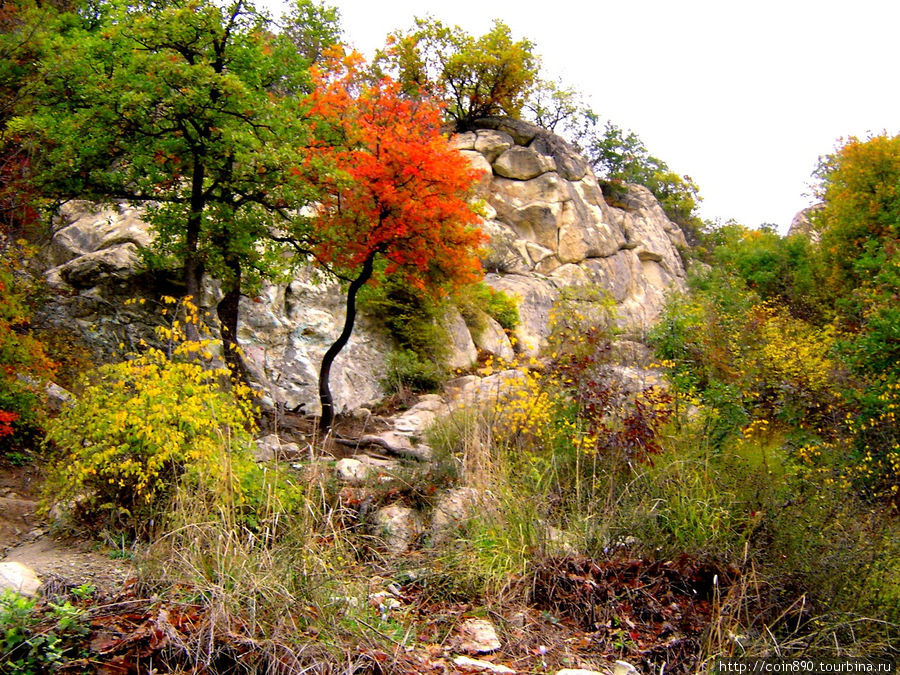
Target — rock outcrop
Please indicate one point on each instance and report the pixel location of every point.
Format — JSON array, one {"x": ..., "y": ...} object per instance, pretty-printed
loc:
[
  {"x": 803, "y": 223},
  {"x": 550, "y": 229}
]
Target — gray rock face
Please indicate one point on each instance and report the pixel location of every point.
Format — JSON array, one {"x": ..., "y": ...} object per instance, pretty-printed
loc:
[
  {"x": 490, "y": 338},
  {"x": 284, "y": 331},
  {"x": 462, "y": 348},
  {"x": 522, "y": 163},
  {"x": 550, "y": 229}
]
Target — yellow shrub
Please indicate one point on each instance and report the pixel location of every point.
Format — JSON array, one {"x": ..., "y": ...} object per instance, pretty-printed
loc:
[{"x": 145, "y": 423}]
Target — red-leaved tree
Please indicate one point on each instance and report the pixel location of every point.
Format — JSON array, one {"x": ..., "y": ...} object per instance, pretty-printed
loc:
[{"x": 399, "y": 194}]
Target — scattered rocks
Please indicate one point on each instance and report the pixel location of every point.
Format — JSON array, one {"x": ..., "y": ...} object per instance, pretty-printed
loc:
[
  {"x": 484, "y": 666},
  {"x": 15, "y": 576},
  {"x": 477, "y": 636},
  {"x": 384, "y": 602}
]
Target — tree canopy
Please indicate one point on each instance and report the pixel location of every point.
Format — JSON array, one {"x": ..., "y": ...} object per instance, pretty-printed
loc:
[
  {"x": 190, "y": 107},
  {"x": 474, "y": 76}
]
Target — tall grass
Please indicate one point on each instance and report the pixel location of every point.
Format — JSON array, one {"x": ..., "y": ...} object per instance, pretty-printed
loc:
[{"x": 815, "y": 568}]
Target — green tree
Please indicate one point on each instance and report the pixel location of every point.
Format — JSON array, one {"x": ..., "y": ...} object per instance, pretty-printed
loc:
[
  {"x": 23, "y": 26},
  {"x": 860, "y": 221},
  {"x": 475, "y": 77},
  {"x": 860, "y": 246},
  {"x": 784, "y": 270},
  {"x": 620, "y": 156},
  {"x": 192, "y": 108}
]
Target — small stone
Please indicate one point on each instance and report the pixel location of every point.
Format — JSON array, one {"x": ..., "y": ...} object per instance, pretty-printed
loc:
[
  {"x": 397, "y": 526},
  {"x": 518, "y": 620},
  {"x": 478, "y": 664},
  {"x": 267, "y": 448},
  {"x": 624, "y": 668},
  {"x": 451, "y": 511},
  {"x": 384, "y": 601},
  {"x": 352, "y": 471},
  {"x": 347, "y": 600},
  {"x": 477, "y": 636},
  {"x": 19, "y": 578}
]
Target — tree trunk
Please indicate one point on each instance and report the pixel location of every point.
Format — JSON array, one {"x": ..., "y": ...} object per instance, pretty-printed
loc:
[
  {"x": 227, "y": 311},
  {"x": 193, "y": 265},
  {"x": 325, "y": 398}
]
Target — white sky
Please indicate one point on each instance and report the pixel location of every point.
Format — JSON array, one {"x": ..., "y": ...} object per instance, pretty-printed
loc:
[{"x": 741, "y": 95}]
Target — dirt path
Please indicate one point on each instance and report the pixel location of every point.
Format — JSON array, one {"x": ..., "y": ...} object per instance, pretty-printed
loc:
[{"x": 24, "y": 537}]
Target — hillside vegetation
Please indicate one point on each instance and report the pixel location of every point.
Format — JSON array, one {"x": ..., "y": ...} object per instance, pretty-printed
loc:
[{"x": 737, "y": 499}]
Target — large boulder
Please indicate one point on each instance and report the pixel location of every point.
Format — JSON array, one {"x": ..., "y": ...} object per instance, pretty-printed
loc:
[
  {"x": 522, "y": 163},
  {"x": 551, "y": 228}
]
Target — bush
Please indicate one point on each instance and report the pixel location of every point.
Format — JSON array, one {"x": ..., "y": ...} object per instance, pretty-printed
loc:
[
  {"x": 407, "y": 371},
  {"x": 23, "y": 361},
  {"x": 145, "y": 424},
  {"x": 28, "y": 645},
  {"x": 414, "y": 319},
  {"x": 480, "y": 297}
]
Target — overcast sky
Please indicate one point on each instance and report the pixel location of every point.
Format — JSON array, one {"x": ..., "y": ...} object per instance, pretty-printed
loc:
[{"x": 743, "y": 96}]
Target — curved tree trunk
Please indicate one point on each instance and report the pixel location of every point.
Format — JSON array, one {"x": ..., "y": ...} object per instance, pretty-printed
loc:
[{"x": 325, "y": 398}]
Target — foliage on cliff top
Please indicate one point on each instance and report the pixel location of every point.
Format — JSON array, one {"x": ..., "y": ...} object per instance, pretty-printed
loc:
[{"x": 475, "y": 77}]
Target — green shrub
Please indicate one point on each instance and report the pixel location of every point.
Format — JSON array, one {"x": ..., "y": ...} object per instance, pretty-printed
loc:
[
  {"x": 413, "y": 319},
  {"x": 498, "y": 305},
  {"x": 28, "y": 645},
  {"x": 407, "y": 371}
]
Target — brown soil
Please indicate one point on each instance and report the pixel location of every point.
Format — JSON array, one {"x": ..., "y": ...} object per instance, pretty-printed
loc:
[{"x": 25, "y": 537}]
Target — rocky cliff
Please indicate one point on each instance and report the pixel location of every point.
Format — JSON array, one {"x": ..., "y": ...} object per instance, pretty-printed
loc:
[{"x": 550, "y": 229}]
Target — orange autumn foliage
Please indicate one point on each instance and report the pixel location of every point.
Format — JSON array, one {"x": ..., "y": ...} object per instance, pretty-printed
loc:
[
  {"x": 391, "y": 187},
  {"x": 400, "y": 189}
]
